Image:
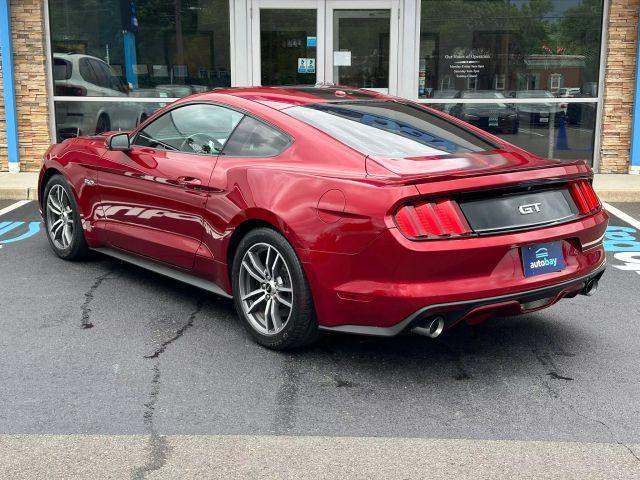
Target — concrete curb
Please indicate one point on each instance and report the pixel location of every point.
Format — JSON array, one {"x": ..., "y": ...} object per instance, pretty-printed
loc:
[
  {"x": 622, "y": 196},
  {"x": 12, "y": 193}
]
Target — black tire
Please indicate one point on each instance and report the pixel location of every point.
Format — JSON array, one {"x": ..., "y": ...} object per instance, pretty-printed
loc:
[
  {"x": 77, "y": 248},
  {"x": 103, "y": 125},
  {"x": 301, "y": 328}
]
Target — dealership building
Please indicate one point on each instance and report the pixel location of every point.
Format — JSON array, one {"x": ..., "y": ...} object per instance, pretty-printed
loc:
[{"x": 555, "y": 77}]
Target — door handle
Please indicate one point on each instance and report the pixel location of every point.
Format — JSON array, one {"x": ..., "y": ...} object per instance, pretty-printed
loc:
[{"x": 189, "y": 181}]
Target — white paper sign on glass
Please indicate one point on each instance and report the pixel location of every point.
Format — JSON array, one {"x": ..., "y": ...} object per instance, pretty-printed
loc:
[{"x": 342, "y": 59}]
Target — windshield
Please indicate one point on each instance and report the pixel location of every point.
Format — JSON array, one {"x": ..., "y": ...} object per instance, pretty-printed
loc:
[{"x": 389, "y": 128}]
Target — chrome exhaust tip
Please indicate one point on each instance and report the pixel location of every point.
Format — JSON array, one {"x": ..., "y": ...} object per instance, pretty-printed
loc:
[
  {"x": 590, "y": 288},
  {"x": 433, "y": 329}
]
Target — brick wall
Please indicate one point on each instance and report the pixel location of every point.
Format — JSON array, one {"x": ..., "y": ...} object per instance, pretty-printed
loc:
[
  {"x": 619, "y": 86},
  {"x": 30, "y": 78}
]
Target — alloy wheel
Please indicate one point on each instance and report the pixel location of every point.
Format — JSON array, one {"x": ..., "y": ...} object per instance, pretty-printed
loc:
[
  {"x": 266, "y": 289},
  {"x": 60, "y": 217}
]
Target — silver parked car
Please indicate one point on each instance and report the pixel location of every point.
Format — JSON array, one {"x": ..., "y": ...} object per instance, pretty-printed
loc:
[{"x": 77, "y": 75}]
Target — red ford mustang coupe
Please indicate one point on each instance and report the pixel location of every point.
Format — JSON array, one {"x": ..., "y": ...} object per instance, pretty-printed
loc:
[{"x": 325, "y": 208}]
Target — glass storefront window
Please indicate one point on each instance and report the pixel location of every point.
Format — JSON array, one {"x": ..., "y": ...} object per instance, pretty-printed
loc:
[
  {"x": 133, "y": 48},
  {"x": 550, "y": 130},
  {"x": 75, "y": 118},
  {"x": 151, "y": 48},
  {"x": 509, "y": 46}
]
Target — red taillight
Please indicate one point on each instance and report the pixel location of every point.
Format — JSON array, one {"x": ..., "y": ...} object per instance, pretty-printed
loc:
[
  {"x": 584, "y": 196},
  {"x": 442, "y": 218},
  {"x": 70, "y": 91}
]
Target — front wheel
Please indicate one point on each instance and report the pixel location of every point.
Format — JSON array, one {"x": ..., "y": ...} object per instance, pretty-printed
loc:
[
  {"x": 62, "y": 220},
  {"x": 271, "y": 292}
]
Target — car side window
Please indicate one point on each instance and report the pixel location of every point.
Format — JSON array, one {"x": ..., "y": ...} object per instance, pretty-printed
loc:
[
  {"x": 199, "y": 128},
  {"x": 86, "y": 71},
  {"x": 253, "y": 138},
  {"x": 102, "y": 79}
]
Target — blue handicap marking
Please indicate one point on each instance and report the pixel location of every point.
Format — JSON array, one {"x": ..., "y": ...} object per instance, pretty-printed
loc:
[
  {"x": 621, "y": 239},
  {"x": 6, "y": 228}
]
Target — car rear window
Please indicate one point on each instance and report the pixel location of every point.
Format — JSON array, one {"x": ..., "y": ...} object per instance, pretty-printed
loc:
[
  {"x": 61, "y": 69},
  {"x": 389, "y": 128}
]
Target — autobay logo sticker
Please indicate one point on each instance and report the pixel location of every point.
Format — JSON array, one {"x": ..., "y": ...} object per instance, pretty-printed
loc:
[
  {"x": 11, "y": 232},
  {"x": 543, "y": 260}
]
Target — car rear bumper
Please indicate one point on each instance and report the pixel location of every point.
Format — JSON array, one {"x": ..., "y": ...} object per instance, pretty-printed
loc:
[
  {"x": 396, "y": 283},
  {"x": 478, "y": 310}
]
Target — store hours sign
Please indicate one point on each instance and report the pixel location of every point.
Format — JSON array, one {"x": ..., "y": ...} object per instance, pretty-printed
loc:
[{"x": 467, "y": 63}]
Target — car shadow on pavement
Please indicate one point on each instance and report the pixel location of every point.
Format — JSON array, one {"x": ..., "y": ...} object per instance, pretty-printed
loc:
[{"x": 535, "y": 344}]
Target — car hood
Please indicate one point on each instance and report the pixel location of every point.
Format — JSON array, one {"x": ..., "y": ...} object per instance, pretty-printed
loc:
[{"x": 438, "y": 167}]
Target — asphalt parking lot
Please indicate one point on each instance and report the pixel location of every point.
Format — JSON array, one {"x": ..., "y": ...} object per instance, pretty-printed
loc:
[{"x": 125, "y": 371}]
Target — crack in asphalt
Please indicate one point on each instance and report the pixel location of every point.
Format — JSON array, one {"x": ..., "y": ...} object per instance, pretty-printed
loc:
[
  {"x": 88, "y": 298},
  {"x": 557, "y": 376},
  {"x": 287, "y": 395},
  {"x": 554, "y": 394},
  {"x": 163, "y": 346},
  {"x": 456, "y": 357},
  {"x": 546, "y": 361},
  {"x": 158, "y": 446}
]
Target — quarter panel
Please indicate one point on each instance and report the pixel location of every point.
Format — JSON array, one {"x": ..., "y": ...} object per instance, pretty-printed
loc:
[{"x": 78, "y": 161}]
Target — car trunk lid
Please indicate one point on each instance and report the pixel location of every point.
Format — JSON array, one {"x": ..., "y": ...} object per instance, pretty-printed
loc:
[{"x": 457, "y": 165}]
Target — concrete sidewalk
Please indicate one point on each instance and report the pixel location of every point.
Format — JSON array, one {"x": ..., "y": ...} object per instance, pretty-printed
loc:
[
  {"x": 306, "y": 457},
  {"x": 19, "y": 186},
  {"x": 610, "y": 187}
]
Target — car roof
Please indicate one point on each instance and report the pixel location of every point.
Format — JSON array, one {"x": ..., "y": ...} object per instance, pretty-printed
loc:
[{"x": 288, "y": 96}]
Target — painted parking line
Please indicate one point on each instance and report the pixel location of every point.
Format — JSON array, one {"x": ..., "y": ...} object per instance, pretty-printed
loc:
[
  {"x": 12, "y": 231},
  {"x": 623, "y": 241},
  {"x": 531, "y": 132},
  {"x": 31, "y": 229},
  {"x": 14, "y": 206},
  {"x": 622, "y": 216}
]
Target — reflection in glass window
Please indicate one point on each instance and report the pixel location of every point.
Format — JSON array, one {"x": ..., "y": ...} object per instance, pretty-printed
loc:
[
  {"x": 87, "y": 118},
  {"x": 253, "y": 138},
  {"x": 510, "y": 45},
  {"x": 202, "y": 129},
  {"x": 551, "y": 130},
  {"x": 142, "y": 48},
  {"x": 389, "y": 128}
]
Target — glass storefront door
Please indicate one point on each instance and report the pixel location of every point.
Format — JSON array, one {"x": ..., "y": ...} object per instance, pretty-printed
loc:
[
  {"x": 288, "y": 46},
  {"x": 285, "y": 42},
  {"x": 362, "y": 44},
  {"x": 347, "y": 42}
]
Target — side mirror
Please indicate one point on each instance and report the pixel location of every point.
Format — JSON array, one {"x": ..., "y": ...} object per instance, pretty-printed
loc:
[{"x": 119, "y": 142}]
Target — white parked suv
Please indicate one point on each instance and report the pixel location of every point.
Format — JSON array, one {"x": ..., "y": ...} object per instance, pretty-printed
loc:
[{"x": 78, "y": 75}]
